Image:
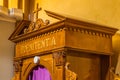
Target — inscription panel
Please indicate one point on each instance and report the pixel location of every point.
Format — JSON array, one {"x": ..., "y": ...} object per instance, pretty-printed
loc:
[{"x": 40, "y": 43}]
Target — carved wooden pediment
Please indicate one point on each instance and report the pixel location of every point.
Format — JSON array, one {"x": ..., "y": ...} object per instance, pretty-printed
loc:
[
  {"x": 25, "y": 28},
  {"x": 67, "y": 32}
]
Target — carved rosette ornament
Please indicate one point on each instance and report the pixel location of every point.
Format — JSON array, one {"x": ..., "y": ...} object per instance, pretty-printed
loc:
[{"x": 59, "y": 58}]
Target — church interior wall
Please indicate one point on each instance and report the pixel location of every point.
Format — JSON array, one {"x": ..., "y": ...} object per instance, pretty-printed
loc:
[{"x": 6, "y": 51}]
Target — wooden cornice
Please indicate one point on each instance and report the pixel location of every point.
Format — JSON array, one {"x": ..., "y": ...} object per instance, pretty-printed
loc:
[
  {"x": 90, "y": 26},
  {"x": 54, "y": 15},
  {"x": 37, "y": 32},
  {"x": 63, "y": 23}
]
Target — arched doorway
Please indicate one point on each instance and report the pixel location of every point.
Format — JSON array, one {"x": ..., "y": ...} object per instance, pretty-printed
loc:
[{"x": 39, "y": 73}]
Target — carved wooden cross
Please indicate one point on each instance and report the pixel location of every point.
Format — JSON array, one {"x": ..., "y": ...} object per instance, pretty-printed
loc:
[{"x": 37, "y": 10}]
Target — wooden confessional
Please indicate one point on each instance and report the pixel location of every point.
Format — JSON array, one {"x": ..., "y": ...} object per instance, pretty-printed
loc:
[{"x": 69, "y": 49}]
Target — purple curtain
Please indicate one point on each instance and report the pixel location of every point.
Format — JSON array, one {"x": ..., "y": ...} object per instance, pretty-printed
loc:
[{"x": 39, "y": 73}]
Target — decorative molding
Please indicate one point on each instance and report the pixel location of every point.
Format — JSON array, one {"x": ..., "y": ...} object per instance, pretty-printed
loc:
[
  {"x": 17, "y": 36},
  {"x": 4, "y": 16},
  {"x": 7, "y": 19},
  {"x": 59, "y": 58},
  {"x": 17, "y": 65},
  {"x": 89, "y": 32},
  {"x": 54, "y": 15},
  {"x": 71, "y": 24},
  {"x": 36, "y": 25},
  {"x": 10, "y": 15},
  {"x": 26, "y": 67}
]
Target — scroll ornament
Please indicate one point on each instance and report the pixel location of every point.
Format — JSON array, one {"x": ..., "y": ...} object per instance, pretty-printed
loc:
[
  {"x": 33, "y": 26},
  {"x": 69, "y": 74}
]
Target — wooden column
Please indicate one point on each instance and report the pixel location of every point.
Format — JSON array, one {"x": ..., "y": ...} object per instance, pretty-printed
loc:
[
  {"x": 32, "y": 5},
  {"x": 5, "y": 3},
  {"x": 28, "y": 8},
  {"x": 20, "y": 4},
  {"x": 59, "y": 63}
]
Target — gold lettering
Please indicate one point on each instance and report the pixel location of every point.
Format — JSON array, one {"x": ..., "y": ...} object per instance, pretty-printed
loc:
[
  {"x": 47, "y": 42},
  {"x": 35, "y": 45},
  {"x": 44, "y": 43},
  {"x": 53, "y": 41}
]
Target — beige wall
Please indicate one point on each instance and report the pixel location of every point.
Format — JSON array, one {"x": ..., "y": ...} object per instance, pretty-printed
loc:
[{"x": 6, "y": 51}]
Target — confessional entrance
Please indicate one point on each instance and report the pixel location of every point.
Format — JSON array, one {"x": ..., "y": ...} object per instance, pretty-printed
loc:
[{"x": 39, "y": 72}]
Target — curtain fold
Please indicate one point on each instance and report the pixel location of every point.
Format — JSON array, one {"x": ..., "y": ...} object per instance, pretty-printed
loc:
[{"x": 39, "y": 73}]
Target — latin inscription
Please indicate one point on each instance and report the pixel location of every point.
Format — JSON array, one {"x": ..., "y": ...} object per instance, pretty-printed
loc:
[{"x": 36, "y": 45}]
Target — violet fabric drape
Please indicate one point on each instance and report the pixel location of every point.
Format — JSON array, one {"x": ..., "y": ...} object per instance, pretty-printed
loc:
[{"x": 39, "y": 73}]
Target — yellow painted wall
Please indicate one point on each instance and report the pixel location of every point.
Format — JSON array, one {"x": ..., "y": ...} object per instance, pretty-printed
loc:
[
  {"x": 1, "y": 2},
  {"x": 12, "y": 3},
  {"x": 101, "y": 11}
]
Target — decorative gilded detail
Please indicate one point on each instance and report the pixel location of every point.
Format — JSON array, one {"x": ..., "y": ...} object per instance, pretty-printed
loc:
[
  {"x": 17, "y": 65},
  {"x": 31, "y": 27},
  {"x": 59, "y": 58},
  {"x": 36, "y": 25},
  {"x": 69, "y": 74}
]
